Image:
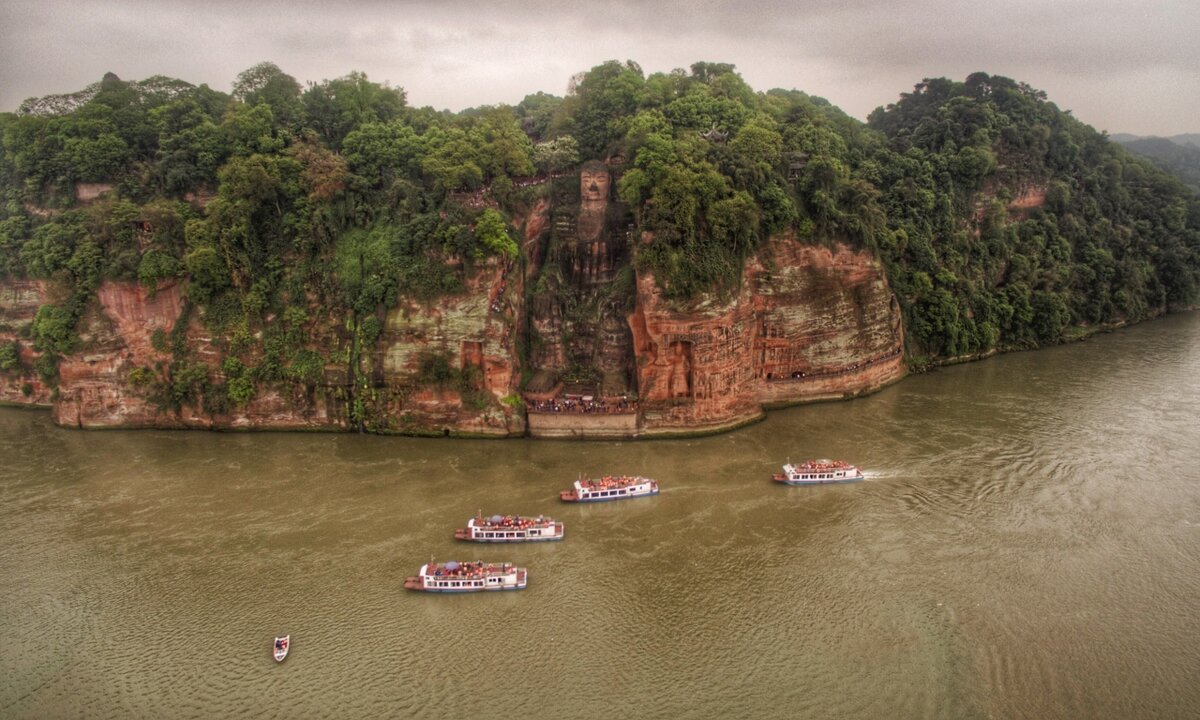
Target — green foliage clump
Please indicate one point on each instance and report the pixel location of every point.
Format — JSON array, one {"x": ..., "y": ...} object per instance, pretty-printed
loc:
[
  {"x": 239, "y": 385},
  {"x": 142, "y": 377},
  {"x": 307, "y": 367},
  {"x": 370, "y": 330},
  {"x": 241, "y": 390},
  {"x": 187, "y": 384},
  {"x": 493, "y": 234},
  {"x": 46, "y": 367},
  {"x": 10, "y": 356},
  {"x": 53, "y": 330},
  {"x": 158, "y": 340},
  {"x": 157, "y": 265}
]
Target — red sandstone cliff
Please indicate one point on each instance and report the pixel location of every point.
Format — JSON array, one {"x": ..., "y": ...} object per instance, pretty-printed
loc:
[
  {"x": 474, "y": 331},
  {"x": 19, "y": 302},
  {"x": 809, "y": 324},
  {"x": 97, "y": 386}
]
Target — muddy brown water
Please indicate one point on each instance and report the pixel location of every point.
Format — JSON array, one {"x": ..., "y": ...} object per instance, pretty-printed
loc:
[{"x": 1026, "y": 545}]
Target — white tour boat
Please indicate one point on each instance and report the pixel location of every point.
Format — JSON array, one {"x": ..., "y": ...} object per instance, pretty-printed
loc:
[
  {"x": 609, "y": 487},
  {"x": 819, "y": 472},
  {"x": 509, "y": 528},
  {"x": 478, "y": 576}
]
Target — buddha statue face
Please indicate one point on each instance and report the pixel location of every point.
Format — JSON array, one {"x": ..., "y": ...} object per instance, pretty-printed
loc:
[{"x": 593, "y": 183}]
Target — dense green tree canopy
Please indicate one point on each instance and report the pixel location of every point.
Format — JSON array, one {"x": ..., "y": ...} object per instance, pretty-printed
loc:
[{"x": 1001, "y": 220}]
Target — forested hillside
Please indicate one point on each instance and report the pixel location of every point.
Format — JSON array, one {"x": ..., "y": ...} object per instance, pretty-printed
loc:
[
  {"x": 1013, "y": 221},
  {"x": 1178, "y": 158},
  {"x": 1002, "y": 221}
]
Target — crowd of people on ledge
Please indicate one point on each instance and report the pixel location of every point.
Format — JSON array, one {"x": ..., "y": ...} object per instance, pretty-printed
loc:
[
  {"x": 853, "y": 367},
  {"x": 585, "y": 404},
  {"x": 531, "y": 180}
]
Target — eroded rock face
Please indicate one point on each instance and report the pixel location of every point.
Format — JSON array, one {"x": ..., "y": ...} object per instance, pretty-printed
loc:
[
  {"x": 19, "y": 303},
  {"x": 809, "y": 323},
  {"x": 817, "y": 324},
  {"x": 829, "y": 324},
  {"x": 694, "y": 369},
  {"x": 94, "y": 383},
  {"x": 474, "y": 334},
  {"x": 97, "y": 386}
]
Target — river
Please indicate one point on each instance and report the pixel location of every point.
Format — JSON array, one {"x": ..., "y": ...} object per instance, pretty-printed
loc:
[{"x": 1026, "y": 545}]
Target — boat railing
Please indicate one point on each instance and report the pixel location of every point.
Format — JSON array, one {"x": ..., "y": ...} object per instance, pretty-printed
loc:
[{"x": 821, "y": 468}]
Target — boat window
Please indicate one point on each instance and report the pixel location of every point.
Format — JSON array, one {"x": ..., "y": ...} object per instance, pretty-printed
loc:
[{"x": 520, "y": 534}]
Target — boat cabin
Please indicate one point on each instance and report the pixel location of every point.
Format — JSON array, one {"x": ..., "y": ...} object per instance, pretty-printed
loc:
[{"x": 461, "y": 584}]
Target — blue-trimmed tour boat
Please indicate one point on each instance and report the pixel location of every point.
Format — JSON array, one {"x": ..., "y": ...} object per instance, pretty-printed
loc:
[{"x": 509, "y": 529}]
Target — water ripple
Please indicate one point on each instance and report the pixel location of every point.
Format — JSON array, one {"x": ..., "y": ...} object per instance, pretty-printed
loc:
[{"x": 1025, "y": 546}]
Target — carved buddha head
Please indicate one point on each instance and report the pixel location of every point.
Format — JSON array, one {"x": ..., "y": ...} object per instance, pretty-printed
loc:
[{"x": 593, "y": 182}]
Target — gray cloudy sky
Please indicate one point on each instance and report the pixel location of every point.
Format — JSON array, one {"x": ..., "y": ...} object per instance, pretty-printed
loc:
[{"x": 1131, "y": 66}]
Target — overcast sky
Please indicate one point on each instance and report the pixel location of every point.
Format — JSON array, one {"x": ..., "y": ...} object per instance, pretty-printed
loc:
[{"x": 1130, "y": 66}]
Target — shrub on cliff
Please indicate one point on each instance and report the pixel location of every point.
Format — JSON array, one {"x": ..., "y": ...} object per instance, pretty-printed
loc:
[
  {"x": 53, "y": 330},
  {"x": 157, "y": 265},
  {"x": 492, "y": 232},
  {"x": 10, "y": 356}
]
